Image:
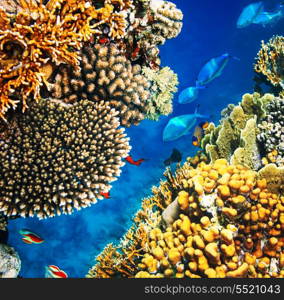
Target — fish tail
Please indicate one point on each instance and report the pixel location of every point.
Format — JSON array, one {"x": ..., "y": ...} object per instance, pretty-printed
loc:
[
  {"x": 202, "y": 116},
  {"x": 234, "y": 57}
]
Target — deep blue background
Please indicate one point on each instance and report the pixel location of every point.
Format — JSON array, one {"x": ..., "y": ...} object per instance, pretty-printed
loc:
[{"x": 209, "y": 30}]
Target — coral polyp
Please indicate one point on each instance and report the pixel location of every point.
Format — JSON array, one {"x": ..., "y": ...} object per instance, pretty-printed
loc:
[{"x": 215, "y": 220}]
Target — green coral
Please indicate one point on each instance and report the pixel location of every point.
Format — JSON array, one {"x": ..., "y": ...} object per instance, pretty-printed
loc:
[
  {"x": 235, "y": 137},
  {"x": 248, "y": 154},
  {"x": 164, "y": 85}
]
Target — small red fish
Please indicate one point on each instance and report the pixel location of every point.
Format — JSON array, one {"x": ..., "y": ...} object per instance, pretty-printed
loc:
[
  {"x": 30, "y": 237},
  {"x": 106, "y": 195},
  {"x": 135, "y": 53},
  {"x": 54, "y": 272},
  {"x": 104, "y": 40},
  {"x": 133, "y": 162}
]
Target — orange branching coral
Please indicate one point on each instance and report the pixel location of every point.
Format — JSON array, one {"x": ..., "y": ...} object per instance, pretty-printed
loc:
[{"x": 39, "y": 36}]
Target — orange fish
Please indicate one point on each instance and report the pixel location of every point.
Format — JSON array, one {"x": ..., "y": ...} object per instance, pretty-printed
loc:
[
  {"x": 199, "y": 133},
  {"x": 105, "y": 195},
  {"x": 133, "y": 162}
]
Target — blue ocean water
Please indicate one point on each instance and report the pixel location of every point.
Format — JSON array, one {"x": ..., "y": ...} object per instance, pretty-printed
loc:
[{"x": 72, "y": 242}]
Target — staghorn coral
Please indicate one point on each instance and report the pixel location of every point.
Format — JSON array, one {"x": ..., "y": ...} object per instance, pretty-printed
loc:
[
  {"x": 225, "y": 223},
  {"x": 235, "y": 138},
  {"x": 106, "y": 75},
  {"x": 163, "y": 84},
  {"x": 270, "y": 61},
  {"x": 59, "y": 157},
  {"x": 37, "y": 37},
  {"x": 271, "y": 136}
]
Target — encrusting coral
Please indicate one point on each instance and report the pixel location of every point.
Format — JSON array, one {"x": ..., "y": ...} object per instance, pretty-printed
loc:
[
  {"x": 60, "y": 157},
  {"x": 215, "y": 220},
  {"x": 106, "y": 75},
  {"x": 270, "y": 61}
]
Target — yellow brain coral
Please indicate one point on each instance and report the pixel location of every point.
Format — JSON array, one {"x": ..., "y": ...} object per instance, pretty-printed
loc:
[{"x": 215, "y": 220}]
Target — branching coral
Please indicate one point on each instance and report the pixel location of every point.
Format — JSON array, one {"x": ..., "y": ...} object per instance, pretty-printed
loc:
[
  {"x": 39, "y": 36},
  {"x": 163, "y": 85},
  {"x": 270, "y": 60},
  {"x": 226, "y": 223},
  {"x": 106, "y": 74},
  {"x": 271, "y": 136},
  {"x": 235, "y": 138},
  {"x": 60, "y": 157}
]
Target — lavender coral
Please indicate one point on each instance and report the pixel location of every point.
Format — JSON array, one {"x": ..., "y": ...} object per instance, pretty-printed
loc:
[{"x": 60, "y": 157}]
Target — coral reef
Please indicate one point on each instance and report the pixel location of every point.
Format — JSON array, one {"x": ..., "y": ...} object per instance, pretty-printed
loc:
[
  {"x": 235, "y": 139},
  {"x": 215, "y": 220},
  {"x": 59, "y": 157},
  {"x": 40, "y": 36},
  {"x": 163, "y": 86},
  {"x": 10, "y": 263},
  {"x": 271, "y": 136},
  {"x": 106, "y": 75},
  {"x": 3, "y": 229},
  {"x": 270, "y": 61},
  {"x": 77, "y": 66}
]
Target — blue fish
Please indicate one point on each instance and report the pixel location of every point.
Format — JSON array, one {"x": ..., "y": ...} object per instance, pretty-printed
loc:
[
  {"x": 213, "y": 69},
  {"x": 249, "y": 13},
  {"x": 181, "y": 125},
  {"x": 265, "y": 18},
  {"x": 189, "y": 94}
]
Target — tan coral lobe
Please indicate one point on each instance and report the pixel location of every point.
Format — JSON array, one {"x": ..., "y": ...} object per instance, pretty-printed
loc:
[{"x": 59, "y": 157}]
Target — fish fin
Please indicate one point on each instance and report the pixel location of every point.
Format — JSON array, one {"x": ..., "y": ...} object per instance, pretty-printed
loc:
[
  {"x": 26, "y": 241},
  {"x": 234, "y": 57},
  {"x": 196, "y": 108},
  {"x": 202, "y": 116}
]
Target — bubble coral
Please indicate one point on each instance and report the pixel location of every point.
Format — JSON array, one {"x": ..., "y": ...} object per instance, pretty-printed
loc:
[
  {"x": 228, "y": 224},
  {"x": 59, "y": 157},
  {"x": 270, "y": 60},
  {"x": 106, "y": 75},
  {"x": 38, "y": 36}
]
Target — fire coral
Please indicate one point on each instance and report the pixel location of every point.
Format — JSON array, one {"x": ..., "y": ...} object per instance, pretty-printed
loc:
[{"x": 36, "y": 37}]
